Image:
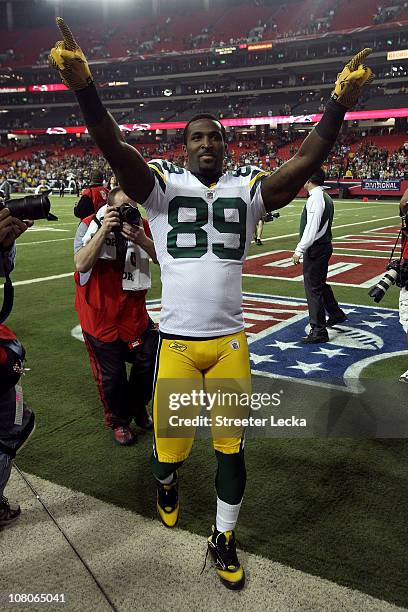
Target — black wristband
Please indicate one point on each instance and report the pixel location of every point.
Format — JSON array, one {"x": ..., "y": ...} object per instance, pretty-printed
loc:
[
  {"x": 330, "y": 124},
  {"x": 91, "y": 105}
]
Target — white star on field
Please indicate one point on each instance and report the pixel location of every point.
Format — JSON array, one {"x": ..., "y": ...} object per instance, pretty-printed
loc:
[
  {"x": 329, "y": 352},
  {"x": 384, "y": 315},
  {"x": 372, "y": 324},
  {"x": 261, "y": 358},
  {"x": 284, "y": 346},
  {"x": 308, "y": 367}
]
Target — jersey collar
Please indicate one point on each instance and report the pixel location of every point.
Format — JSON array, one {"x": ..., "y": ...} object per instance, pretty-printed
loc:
[{"x": 209, "y": 182}]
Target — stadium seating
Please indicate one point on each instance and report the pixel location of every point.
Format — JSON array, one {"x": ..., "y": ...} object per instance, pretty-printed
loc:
[
  {"x": 346, "y": 15},
  {"x": 175, "y": 31}
]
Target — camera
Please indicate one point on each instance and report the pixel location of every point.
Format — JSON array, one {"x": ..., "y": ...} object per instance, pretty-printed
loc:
[
  {"x": 129, "y": 214},
  {"x": 270, "y": 216},
  {"x": 391, "y": 277},
  {"x": 30, "y": 207}
]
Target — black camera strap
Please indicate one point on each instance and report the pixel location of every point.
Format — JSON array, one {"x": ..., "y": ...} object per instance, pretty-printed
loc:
[
  {"x": 8, "y": 299},
  {"x": 395, "y": 246}
]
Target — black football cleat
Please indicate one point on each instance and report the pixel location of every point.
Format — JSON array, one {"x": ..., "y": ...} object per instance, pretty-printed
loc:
[
  {"x": 168, "y": 507},
  {"x": 223, "y": 550}
]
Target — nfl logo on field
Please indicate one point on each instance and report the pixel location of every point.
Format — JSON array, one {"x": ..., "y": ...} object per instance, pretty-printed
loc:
[{"x": 275, "y": 326}]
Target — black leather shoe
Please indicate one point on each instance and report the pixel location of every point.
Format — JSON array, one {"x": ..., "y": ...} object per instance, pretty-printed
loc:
[
  {"x": 314, "y": 338},
  {"x": 336, "y": 319},
  {"x": 8, "y": 512},
  {"x": 144, "y": 420}
]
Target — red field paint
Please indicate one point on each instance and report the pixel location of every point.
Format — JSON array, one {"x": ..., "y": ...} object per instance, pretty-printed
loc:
[{"x": 347, "y": 270}]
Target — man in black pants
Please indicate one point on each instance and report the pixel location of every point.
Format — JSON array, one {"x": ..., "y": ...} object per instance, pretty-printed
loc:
[
  {"x": 111, "y": 285},
  {"x": 315, "y": 246}
]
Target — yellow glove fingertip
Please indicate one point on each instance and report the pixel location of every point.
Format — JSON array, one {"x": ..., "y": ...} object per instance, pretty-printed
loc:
[{"x": 69, "y": 40}]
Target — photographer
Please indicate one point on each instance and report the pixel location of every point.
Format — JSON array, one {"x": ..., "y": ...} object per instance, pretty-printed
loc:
[
  {"x": 111, "y": 258},
  {"x": 16, "y": 419},
  {"x": 93, "y": 197}
]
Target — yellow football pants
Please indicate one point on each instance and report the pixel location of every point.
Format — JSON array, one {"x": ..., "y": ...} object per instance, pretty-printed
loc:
[{"x": 205, "y": 364}]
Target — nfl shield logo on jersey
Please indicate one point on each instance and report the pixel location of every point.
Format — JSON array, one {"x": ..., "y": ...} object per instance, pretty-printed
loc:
[{"x": 234, "y": 344}]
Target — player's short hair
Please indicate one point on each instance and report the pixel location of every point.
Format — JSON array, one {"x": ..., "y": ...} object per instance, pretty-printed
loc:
[
  {"x": 204, "y": 116},
  {"x": 318, "y": 177},
  {"x": 112, "y": 195}
]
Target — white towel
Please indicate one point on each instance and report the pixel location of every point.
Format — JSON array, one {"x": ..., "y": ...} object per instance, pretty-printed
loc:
[{"x": 136, "y": 273}]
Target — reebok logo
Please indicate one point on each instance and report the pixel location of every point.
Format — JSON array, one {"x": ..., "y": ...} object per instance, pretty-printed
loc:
[{"x": 177, "y": 346}]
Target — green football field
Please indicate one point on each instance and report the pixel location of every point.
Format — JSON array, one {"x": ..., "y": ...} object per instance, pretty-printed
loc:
[{"x": 334, "y": 507}]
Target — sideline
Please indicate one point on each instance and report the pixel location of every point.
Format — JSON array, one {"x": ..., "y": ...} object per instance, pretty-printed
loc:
[{"x": 156, "y": 565}]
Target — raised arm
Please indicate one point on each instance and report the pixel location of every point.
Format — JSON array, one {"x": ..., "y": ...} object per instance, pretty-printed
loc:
[
  {"x": 283, "y": 185},
  {"x": 135, "y": 176}
]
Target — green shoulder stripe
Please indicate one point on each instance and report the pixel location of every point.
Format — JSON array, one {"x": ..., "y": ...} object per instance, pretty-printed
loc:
[
  {"x": 256, "y": 176},
  {"x": 158, "y": 171}
]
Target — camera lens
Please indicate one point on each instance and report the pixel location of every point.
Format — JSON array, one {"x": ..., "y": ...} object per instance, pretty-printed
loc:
[
  {"x": 31, "y": 207},
  {"x": 378, "y": 291},
  {"x": 129, "y": 214}
]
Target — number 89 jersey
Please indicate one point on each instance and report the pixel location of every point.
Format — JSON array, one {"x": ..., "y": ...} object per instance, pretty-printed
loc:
[{"x": 202, "y": 235}]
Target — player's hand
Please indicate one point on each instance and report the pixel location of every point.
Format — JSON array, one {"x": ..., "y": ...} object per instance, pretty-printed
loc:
[
  {"x": 351, "y": 80},
  {"x": 68, "y": 58},
  {"x": 110, "y": 221},
  {"x": 134, "y": 233},
  {"x": 296, "y": 259}
]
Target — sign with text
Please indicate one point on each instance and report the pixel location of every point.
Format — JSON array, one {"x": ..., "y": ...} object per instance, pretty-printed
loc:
[{"x": 381, "y": 184}]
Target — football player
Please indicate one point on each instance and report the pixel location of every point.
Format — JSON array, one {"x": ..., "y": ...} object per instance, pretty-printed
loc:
[{"x": 202, "y": 222}]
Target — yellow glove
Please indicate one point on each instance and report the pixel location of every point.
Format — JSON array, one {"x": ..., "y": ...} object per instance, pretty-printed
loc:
[
  {"x": 351, "y": 80},
  {"x": 68, "y": 58}
]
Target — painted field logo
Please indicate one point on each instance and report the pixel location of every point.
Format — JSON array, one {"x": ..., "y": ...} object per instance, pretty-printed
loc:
[
  {"x": 370, "y": 334},
  {"x": 276, "y": 324}
]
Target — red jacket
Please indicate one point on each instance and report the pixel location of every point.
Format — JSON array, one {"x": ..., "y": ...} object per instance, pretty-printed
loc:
[
  {"x": 98, "y": 194},
  {"x": 405, "y": 247},
  {"x": 104, "y": 309}
]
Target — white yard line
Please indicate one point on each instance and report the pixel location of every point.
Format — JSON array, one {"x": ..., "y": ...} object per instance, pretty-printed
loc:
[
  {"x": 335, "y": 228},
  {"x": 20, "y": 244},
  {"x": 42, "y": 279}
]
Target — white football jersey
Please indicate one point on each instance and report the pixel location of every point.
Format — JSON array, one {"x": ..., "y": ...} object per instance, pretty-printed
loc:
[{"x": 202, "y": 235}]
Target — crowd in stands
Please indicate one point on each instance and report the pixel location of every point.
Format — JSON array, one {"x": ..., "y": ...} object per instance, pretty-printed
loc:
[
  {"x": 42, "y": 165},
  {"x": 390, "y": 12},
  {"x": 370, "y": 161},
  {"x": 351, "y": 158}
]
